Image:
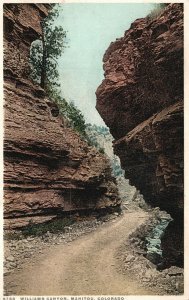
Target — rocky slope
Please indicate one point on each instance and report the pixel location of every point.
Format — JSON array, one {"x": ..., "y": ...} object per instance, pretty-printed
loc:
[
  {"x": 102, "y": 139},
  {"x": 48, "y": 169},
  {"x": 141, "y": 101}
]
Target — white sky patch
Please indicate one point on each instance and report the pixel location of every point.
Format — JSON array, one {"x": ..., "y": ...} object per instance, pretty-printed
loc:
[{"x": 91, "y": 28}]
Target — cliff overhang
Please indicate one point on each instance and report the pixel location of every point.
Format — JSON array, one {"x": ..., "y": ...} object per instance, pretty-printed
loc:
[{"x": 141, "y": 101}]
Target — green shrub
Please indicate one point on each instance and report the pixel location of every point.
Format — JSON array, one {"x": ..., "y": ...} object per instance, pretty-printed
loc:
[
  {"x": 158, "y": 9},
  {"x": 101, "y": 150},
  {"x": 54, "y": 226},
  {"x": 12, "y": 235}
]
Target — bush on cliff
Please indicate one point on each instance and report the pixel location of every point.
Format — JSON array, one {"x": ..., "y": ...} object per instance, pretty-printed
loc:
[
  {"x": 68, "y": 110},
  {"x": 158, "y": 9}
]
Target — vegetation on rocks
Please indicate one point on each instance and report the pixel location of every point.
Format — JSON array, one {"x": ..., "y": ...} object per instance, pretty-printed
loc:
[
  {"x": 158, "y": 9},
  {"x": 54, "y": 226},
  {"x": 43, "y": 61},
  {"x": 69, "y": 111}
]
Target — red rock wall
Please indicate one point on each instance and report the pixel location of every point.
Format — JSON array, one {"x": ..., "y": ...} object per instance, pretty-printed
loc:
[
  {"x": 21, "y": 28},
  {"x": 141, "y": 101},
  {"x": 48, "y": 169},
  {"x": 141, "y": 70}
]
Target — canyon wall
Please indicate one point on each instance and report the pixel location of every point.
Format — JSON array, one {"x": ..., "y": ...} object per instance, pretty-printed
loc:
[
  {"x": 48, "y": 168},
  {"x": 141, "y": 101}
]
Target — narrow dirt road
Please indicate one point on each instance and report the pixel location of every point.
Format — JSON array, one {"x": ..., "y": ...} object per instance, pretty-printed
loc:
[{"x": 86, "y": 266}]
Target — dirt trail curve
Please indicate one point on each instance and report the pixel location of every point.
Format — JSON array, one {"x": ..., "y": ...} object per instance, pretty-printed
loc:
[{"x": 86, "y": 266}]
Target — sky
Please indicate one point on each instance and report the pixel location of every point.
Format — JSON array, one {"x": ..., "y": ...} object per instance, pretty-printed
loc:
[{"x": 91, "y": 28}]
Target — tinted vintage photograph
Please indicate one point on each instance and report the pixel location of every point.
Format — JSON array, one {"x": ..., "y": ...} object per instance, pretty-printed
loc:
[{"x": 93, "y": 149}]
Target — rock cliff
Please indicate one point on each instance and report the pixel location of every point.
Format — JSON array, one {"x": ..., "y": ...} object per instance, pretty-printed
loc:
[
  {"x": 141, "y": 101},
  {"x": 48, "y": 168}
]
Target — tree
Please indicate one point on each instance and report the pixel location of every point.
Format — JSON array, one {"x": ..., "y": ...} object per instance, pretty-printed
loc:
[
  {"x": 43, "y": 59},
  {"x": 45, "y": 51}
]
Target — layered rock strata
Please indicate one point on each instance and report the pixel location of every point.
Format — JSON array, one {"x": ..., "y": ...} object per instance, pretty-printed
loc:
[
  {"x": 48, "y": 168},
  {"x": 141, "y": 101}
]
